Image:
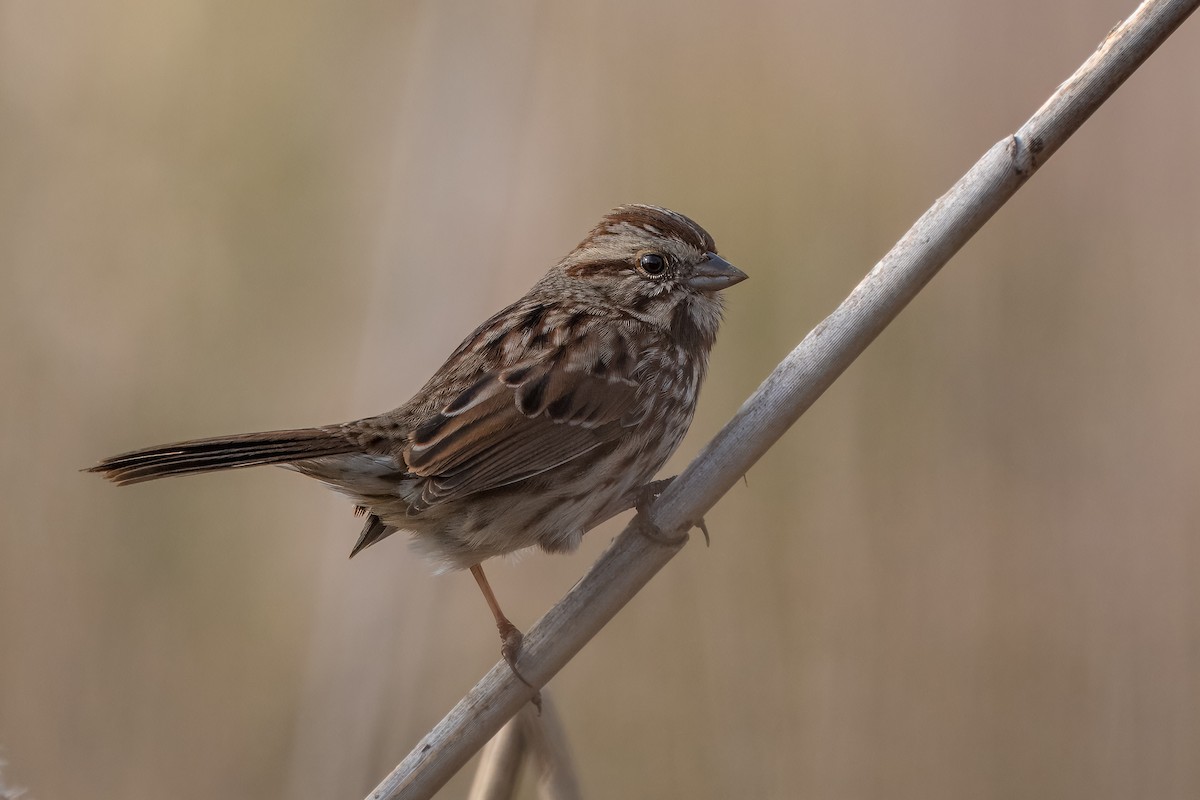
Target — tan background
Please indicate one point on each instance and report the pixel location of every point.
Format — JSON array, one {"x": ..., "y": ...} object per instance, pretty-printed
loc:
[{"x": 970, "y": 571}]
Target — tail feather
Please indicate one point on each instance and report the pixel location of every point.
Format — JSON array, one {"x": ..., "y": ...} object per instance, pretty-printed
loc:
[{"x": 225, "y": 452}]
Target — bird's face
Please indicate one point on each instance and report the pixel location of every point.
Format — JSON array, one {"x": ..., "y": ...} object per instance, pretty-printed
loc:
[{"x": 652, "y": 264}]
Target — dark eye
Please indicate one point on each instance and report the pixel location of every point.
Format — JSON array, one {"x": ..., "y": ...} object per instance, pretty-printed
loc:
[{"x": 653, "y": 264}]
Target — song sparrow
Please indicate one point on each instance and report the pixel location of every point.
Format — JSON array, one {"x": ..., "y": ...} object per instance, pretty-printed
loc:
[{"x": 546, "y": 421}]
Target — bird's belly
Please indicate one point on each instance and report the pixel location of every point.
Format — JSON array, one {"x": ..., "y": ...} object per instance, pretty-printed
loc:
[{"x": 551, "y": 511}]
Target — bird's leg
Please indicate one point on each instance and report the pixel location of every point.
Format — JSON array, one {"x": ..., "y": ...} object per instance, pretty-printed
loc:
[
  {"x": 510, "y": 637},
  {"x": 643, "y": 496}
]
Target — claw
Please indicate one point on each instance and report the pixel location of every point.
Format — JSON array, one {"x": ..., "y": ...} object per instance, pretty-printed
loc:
[
  {"x": 654, "y": 533},
  {"x": 646, "y": 495},
  {"x": 510, "y": 649}
]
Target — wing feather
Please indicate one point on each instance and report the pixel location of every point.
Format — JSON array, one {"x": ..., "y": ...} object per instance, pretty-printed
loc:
[{"x": 519, "y": 422}]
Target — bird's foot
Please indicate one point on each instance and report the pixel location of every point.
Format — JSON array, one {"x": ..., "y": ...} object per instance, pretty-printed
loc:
[
  {"x": 645, "y": 496},
  {"x": 510, "y": 649}
]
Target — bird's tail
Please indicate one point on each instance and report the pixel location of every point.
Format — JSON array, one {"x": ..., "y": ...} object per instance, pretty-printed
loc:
[{"x": 226, "y": 452}]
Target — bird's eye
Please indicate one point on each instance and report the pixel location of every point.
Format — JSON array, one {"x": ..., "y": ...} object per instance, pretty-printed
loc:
[{"x": 653, "y": 264}]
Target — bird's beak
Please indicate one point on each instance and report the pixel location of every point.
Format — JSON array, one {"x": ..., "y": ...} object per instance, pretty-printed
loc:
[{"x": 714, "y": 274}]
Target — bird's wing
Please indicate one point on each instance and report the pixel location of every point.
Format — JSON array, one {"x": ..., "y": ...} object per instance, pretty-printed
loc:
[{"x": 523, "y": 421}]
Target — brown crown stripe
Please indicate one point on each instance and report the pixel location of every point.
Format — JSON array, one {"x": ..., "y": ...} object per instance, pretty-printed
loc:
[{"x": 670, "y": 223}]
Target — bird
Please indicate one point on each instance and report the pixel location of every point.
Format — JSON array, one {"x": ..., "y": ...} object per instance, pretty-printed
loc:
[{"x": 551, "y": 417}]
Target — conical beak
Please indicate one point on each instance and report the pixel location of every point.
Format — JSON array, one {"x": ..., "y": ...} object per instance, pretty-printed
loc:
[{"x": 714, "y": 274}]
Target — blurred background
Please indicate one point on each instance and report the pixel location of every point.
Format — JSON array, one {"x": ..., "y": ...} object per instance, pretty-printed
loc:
[{"x": 969, "y": 571}]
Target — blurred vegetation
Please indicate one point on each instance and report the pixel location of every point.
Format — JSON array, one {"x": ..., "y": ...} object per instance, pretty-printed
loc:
[{"x": 970, "y": 571}]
